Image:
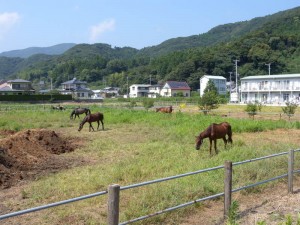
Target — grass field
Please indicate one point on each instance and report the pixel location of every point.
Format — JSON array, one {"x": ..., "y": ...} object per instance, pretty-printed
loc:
[{"x": 138, "y": 146}]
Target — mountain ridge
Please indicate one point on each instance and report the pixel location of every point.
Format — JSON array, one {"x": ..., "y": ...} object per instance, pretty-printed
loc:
[{"x": 27, "y": 52}]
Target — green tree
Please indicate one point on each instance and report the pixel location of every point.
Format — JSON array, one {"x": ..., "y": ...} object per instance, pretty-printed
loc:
[
  {"x": 208, "y": 101},
  {"x": 210, "y": 87},
  {"x": 289, "y": 109},
  {"x": 252, "y": 108}
]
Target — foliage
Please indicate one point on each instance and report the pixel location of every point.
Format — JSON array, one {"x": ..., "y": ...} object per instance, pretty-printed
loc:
[
  {"x": 233, "y": 214},
  {"x": 208, "y": 101},
  {"x": 210, "y": 87},
  {"x": 148, "y": 103},
  {"x": 252, "y": 108},
  {"x": 132, "y": 103},
  {"x": 289, "y": 109}
]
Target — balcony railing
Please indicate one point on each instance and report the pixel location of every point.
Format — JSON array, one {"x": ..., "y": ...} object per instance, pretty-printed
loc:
[{"x": 271, "y": 89}]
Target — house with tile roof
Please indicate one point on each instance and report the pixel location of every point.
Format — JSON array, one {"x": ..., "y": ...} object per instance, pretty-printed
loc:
[
  {"x": 78, "y": 89},
  {"x": 172, "y": 88},
  {"x": 16, "y": 87}
]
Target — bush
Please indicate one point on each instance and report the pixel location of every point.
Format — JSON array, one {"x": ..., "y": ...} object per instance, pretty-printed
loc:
[
  {"x": 289, "y": 109},
  {"x": 148, "y": 103},
  {"x": 252, "y": 108}
]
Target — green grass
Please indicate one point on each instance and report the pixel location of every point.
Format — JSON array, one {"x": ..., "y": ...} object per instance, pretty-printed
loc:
[{"x": 138, "y": 146}]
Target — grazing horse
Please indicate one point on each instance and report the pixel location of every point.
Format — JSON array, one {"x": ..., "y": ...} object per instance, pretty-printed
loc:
[
  {"x": 96, "y": 117},
  {"x": 165, "y": 109},
  {"x": 214, "y": 132},
  {"x": 58, "y": 107},
  {"x": 78, "y": 111}
]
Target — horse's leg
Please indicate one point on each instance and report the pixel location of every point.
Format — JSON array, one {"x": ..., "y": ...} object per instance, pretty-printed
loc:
[
  {"x": 210, "y": 141},
  {"x": 215, "y": 142},
  {"x": 98, "y": 125},
  {"x": 102, "y": 125},
  {"x": 91, "y": 126},
  {"x": 225, "y": 141}
]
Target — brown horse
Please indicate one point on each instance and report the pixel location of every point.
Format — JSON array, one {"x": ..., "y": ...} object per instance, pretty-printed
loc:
[
  {"x": 165, "y": 109},
  {"x": 96, "y": 117},
  {"x": 214, "y": 132},
  {"x": 78, "y": 111}
]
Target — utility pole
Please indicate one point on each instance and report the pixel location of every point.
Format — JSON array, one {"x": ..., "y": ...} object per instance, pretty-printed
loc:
[
  {"x": 150, "y": 79},
  {"x": 236, "y": 75},
  {"x": 127, "y": 87},
  {"x": 230, "y": 82},
  {"x": 269, "y": 65}
]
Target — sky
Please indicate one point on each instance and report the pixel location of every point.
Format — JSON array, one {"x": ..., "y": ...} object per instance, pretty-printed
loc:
[{"x": 121, "y": 23}]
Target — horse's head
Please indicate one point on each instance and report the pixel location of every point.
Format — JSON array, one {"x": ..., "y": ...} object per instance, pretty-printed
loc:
[
  {"x": 199, "y": 141},
  {"x": 80, "y": 126}
]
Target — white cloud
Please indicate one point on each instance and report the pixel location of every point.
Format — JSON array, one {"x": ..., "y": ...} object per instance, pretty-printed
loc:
[
  {"x": 96, "y": 31},
  {"x": 7, "y": 21}
]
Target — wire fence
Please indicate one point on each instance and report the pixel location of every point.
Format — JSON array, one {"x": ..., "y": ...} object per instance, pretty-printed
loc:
[
  {"x": 177, "y": 106},
  {"x": 113, "y": 191}
]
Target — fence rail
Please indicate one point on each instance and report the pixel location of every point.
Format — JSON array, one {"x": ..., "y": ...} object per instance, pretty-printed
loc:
[{"x": 114, "y": 190}]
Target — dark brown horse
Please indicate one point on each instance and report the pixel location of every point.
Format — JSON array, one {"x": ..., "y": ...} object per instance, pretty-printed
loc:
[
  {"x": 58, "y": 107},
  {"x": 75, "y": 113},
  {"x": 96, "y": 117},
  {"x": 214, "y": 132},
  {"x": 165, "y": 109}
]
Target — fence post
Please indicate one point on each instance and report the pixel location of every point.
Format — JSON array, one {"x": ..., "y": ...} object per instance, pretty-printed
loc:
[
  {"x": 227, "y": 187},
  {"x": 113, "y": 204},
  {"x": 290, "y": 171}
]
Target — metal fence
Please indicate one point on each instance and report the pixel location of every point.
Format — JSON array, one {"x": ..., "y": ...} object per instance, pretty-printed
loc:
[{"x": 114, "y": 190}]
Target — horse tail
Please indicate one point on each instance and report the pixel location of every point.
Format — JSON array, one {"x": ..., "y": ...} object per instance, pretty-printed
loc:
[
  {"x": 229, "y": 133},
  {"x": 88, "y": 111}
]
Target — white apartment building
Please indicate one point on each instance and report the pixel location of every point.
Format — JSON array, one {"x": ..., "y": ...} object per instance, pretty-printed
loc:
[
  {"x": 219, "y": 81},
  {"x": 139, "y": 90},
  {"x": 154, "y": 91},
  {"x": 270, "y": 89}
]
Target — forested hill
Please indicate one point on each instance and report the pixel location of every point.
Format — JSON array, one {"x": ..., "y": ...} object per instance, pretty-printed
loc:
[
  {"x": 52, "y": 50},
  {"x": 219, "y": 34},
  {"x": 271, "y": 39}
]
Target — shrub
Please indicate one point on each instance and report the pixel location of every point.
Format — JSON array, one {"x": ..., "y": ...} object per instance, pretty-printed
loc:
[
  {"x": 289, "y": 109},
  {"x": 148, "y": 103},
  {"x": 252, "y": 108}
]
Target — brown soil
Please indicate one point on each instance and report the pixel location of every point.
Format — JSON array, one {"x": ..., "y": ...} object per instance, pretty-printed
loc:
[{"x": 30, "y": 153}]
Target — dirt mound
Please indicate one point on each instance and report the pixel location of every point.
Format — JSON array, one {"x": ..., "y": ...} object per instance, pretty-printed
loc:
[{"x": 27, "y": 153}]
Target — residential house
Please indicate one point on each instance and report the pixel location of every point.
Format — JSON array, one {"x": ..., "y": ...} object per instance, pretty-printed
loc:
[
  {"x": 154, "y": 91},
  {"x": 219, "y": 81},
  {"x": 271, "y": 89},
  {"x": 107, "y": 92},
  {"x": 172, "y": 88},
  {"x": 139, "y": 90},
  {"x": 16, "y": 87},
  {"x": 76, "y": 88}
]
